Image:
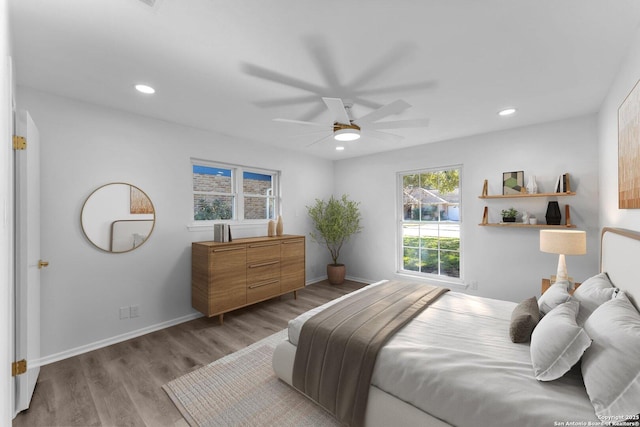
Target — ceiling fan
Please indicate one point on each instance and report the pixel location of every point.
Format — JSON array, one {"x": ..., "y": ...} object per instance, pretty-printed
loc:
[{"x": 345, "y": 128}]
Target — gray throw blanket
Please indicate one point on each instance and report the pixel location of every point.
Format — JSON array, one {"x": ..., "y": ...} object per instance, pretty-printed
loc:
[{"x": 337, "y": 348}]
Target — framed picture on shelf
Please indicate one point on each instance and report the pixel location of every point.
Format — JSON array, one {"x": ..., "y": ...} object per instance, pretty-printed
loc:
[{"x": 513, "y": 182}]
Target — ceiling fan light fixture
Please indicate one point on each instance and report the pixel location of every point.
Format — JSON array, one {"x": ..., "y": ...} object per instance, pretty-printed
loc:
[
  {"x": 343, "y": 133},
  {"x": 340, "y": 148}
]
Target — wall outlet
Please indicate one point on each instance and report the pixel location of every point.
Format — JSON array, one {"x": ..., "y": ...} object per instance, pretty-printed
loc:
[
  {"x": 124, "y": 312},
  {"x": 135, "y": 311}
]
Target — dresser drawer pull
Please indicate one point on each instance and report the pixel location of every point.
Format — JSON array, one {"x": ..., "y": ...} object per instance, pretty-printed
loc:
[
  {"x": 262, "y": 264},
  {"x": 236, "y": 248},
  {"x": 287, "y": 242},
  {"x": 261, "y": 245},
  {"x": 259, "y": 285}
]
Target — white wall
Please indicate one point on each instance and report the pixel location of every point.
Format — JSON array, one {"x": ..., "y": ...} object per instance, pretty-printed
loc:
[
  {"x": 628, "y": 76},
  {"x": 506, "y": 263},
  {"x": 85, "y": 146},
  {"x": 6, "y": 221}
]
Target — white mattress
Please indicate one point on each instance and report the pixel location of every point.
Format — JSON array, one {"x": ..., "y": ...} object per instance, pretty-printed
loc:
[{"x": 456, "y": 362}]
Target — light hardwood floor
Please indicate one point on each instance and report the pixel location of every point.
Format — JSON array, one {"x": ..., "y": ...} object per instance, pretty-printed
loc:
[{"x": 120, "y": 385}]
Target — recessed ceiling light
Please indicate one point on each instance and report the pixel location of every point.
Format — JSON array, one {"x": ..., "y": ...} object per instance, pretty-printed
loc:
[
  {"x": 339, "y": 148},
  {"x": 507, "y": 112},
  {"x": 145, "y": 89}
]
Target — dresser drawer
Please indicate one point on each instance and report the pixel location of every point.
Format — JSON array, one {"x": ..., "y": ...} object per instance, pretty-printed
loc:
[
  {"x": 262, "y": 270},
  {"x": 263, "y": 290},
  {"x": 264, "y": 251}
]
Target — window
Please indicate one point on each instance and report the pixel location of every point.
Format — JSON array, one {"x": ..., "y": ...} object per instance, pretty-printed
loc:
[
  {"x": 430, "y": 225},
  {"x": 233, "y": 193}
]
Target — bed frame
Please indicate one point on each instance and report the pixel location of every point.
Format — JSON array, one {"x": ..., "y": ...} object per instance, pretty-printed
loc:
[{"x": 619, "y": 250}]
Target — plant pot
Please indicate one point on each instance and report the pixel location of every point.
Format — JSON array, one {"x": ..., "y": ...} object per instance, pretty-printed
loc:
[
  {"x": 510, "y": 219},
  {"x": 336, "y": 273}
]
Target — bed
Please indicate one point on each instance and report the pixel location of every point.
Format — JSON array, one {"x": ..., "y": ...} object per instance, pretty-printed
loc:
[{"x": 454, "y": 364}]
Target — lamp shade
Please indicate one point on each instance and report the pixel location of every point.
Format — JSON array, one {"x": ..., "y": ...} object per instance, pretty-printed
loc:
[{"x": 566, "y": 242}]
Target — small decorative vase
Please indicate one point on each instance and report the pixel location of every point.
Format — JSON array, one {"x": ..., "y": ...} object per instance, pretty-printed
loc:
[
  {"x": 553, "y": 215},
  {"x": 525, "y": 217},
  {"x": 271, "y": 228},
  {"x": 532, "y": 186},
  {"x": 279, "y": 226}
]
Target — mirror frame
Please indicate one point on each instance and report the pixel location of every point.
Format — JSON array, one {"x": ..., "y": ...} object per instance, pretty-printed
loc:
[{"x": 82, "y": 222}]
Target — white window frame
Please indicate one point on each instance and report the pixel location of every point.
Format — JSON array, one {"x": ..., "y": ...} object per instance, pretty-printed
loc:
[
  {"x": 457, "y": 281},
  {"x": 237, "y": 192}
]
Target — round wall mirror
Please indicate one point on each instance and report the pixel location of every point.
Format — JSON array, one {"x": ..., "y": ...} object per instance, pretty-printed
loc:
[{"x": 118, "y": 217}]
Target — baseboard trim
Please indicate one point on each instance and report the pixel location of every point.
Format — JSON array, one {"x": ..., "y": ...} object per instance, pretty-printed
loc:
[
  {"x": 110, "y": 341},
  {"x": 143, "y": 331}
]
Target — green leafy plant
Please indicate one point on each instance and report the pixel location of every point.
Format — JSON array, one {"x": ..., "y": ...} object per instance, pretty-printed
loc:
[
  {"x": 509, "y": 213},
  {"x": 334, "y": 222},
  {"x": 217, "y": 209}
]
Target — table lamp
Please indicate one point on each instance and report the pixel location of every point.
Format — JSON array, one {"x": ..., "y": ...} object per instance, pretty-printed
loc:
[{"x": 563, "y": 242}]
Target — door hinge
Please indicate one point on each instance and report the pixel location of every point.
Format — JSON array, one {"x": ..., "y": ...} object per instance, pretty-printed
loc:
[
  {"x": 19, "y": 142},
  {"x": 18, "y": 368}
]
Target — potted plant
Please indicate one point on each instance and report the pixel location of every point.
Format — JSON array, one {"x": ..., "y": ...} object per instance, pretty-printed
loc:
[
  {"x": 334, "y": 222},
  {"x": 509, "y": 215}
]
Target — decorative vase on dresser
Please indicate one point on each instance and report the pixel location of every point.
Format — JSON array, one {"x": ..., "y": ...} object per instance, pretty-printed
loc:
[{"x": 279, "y": 226}]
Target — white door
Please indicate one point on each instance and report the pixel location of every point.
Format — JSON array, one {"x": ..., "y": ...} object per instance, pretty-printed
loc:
[{"x": 28, "y": 263}]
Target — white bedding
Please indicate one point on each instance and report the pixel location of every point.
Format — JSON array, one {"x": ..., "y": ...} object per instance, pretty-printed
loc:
[{"x": 456, "y": 362}]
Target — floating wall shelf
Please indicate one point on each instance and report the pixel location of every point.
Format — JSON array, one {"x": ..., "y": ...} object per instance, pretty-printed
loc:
[{"x": 485, "y": 214}]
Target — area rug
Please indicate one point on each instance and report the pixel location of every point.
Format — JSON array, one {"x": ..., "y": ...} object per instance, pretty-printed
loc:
[{"x": 241, "y": 389}]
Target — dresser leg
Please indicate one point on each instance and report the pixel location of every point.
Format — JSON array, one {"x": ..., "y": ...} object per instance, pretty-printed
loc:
[
  {"x": 221, "y": 318},
  {"x": 295, "y": 294}
]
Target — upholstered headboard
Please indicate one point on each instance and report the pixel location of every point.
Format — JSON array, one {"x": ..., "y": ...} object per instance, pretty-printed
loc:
[{"x": 620, "y": 259}]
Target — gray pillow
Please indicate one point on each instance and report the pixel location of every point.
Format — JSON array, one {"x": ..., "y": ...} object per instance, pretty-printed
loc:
[
  {"x": 557, "y": 294},
  {"x": 524, "y": 319},
  {"x": 558, "y": 342},
  {"x": 611, "y": 366},
  {"x": 593, "y": 292}
]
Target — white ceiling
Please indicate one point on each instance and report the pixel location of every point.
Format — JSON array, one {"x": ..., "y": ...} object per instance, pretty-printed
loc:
[{"x": 225, "y": 65}]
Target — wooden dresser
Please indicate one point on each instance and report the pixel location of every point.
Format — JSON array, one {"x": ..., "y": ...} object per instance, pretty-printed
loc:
[{"x": 227, "y": 276}]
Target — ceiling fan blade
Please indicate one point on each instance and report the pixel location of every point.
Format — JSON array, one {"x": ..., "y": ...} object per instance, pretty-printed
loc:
[
  {"x": 322, "y": 56},
  {"x": 407, "y": 87},
  {"x": 307, "y": 99},
  {"x": 302, "y": 122},
  {"x": 316, "y": 110},
  {"x": 384, "y": 136},
  {"x": 324, "y": 138},
  {"x": 396, "y": 55},
  {"x": 274, "y": 76},
  {"x": 394, "y": 108},
  {"x": 399, "y": 124},
  {"x": 338, "y": 112}
]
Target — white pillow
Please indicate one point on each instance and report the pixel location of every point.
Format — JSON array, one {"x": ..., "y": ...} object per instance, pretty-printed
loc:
[
  {"x": 557, "y": 343},
  {"x": 557, "y": 294},
  {"x": 611, "y": 366},
  {"x": 592, "y": 293}
]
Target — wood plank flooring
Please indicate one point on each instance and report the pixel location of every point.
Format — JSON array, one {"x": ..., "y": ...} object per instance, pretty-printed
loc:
[{"x": 120, "y": 385}]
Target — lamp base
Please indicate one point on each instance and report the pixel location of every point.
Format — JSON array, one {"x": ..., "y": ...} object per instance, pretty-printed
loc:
[
  {"x": 552, "y": 279},
  {"x": 561, "y": 274}
]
